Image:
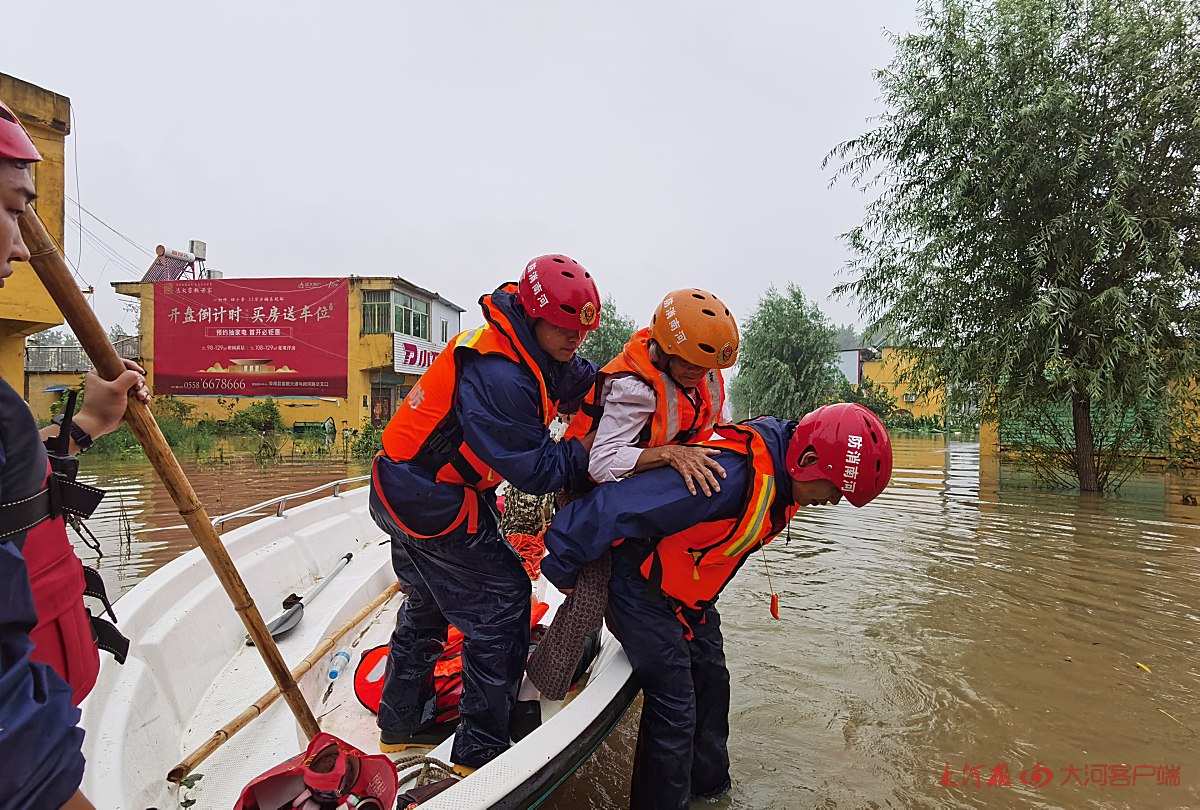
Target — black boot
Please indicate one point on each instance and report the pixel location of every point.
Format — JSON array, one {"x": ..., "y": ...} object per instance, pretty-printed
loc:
[{"x": 525, "y": 718}]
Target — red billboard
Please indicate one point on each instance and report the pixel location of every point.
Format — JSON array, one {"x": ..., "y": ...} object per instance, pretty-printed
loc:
[{"x": 251, "y": 337}]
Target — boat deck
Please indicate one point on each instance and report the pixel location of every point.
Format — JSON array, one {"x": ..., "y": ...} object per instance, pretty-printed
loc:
[{"x": 190, "y": 672}]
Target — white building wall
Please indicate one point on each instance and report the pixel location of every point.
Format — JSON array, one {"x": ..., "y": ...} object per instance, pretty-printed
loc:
[{"x": 439, "y": 312}]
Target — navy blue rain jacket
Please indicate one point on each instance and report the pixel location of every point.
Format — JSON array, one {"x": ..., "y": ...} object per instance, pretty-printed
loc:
[
  {"x": 498, "y": 404},
  {"x": 42, "y": 764},
  {"x": 655, "y": 504}
]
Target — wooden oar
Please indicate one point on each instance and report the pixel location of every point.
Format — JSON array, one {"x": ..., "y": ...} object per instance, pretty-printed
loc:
[
  {"x": 56, "y": 277},
  {"x": 222, "y": 735}
]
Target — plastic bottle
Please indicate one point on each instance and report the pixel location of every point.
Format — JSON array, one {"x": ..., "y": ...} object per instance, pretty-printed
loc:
[{"x": 338, "y": 663}]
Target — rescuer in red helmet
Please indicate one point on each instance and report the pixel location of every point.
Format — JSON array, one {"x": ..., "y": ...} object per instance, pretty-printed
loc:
[
  {"x": 681, "y": 549},
  {"x": 478, "y": 416}
]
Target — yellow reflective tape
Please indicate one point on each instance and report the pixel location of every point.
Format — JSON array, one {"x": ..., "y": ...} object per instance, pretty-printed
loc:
[
  {"x": 469, "y": 340},
  {"x": 766, "y": 494}
]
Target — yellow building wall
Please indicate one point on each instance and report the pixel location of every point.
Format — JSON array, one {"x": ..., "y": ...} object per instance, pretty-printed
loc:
[
  {"x": 885, "y": 373},
  {"x": 989, "y": 439},
  {"x": 364, "y": 352},
  {"x": 25, "y": 306},
  {"x": 39, "y": 398}
]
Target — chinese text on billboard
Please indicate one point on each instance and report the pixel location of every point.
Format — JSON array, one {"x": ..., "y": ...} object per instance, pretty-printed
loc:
[{"x": 251, "y": 337}]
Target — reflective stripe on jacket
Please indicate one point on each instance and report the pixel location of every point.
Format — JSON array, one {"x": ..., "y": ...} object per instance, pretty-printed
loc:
[{"x": 694, "y": 565}]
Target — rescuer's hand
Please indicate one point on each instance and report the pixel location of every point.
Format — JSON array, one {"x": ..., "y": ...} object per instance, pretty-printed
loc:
[{"x": 104, "y": 401}]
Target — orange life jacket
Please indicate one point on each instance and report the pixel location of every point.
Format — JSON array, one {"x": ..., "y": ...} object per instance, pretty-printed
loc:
[
  {"x": 692, "y": 567},
  {"x": 425, "y": 430},
  {"x": 677, "y": 417}
]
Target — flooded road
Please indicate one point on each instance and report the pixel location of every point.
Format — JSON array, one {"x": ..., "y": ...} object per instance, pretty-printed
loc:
[
  {"x": 139, "y": 527},
  {"x": 951, "y": 645}
]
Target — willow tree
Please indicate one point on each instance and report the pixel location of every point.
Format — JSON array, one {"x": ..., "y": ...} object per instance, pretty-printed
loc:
[
  {"x": 787, "y": 363},
  {"x": 1037, "y": 224},
  {"x": 606, "y": 341}
]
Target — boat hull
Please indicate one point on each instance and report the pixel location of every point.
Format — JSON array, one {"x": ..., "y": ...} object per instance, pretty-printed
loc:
[{"x": 189, "y": 672}]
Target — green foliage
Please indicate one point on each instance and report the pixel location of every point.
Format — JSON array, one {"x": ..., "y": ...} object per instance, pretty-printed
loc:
[
  {"x": 868, "y": 395},
  {"x": 190, "y": 781},
  {"x": 847, "y": 336},
  {"x": 606, "y": 341},
  {"x": 183, "y": 438},
  {"x": 167, "y": 406},
  {"x": 367, "y": 440},
  {"x": 877, "y": 399},
  {"x": 1042, "y": 440},
  {"x": 1183, "y": 428},
  {"x": 1034, "y": 233},
  {"x": 261, "y": 416},
  {"x": 787, "y": 364},
  {"x": 174, "y": 418},
  {"x": 60, "y": 405},
  {"x": 53, "y": 337},
  {"x": 904, "y": 420}
]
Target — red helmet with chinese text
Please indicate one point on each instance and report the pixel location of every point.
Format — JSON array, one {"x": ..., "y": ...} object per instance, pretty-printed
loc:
[
  {"x": 695, "y": 325},
  {"x": 558, "y": 289},
  {"x": 15, "y": 143},
  {"x": 854, "y": 451}
]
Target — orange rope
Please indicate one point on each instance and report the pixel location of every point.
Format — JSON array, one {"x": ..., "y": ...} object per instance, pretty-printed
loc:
[{"x": 531, "y": 547}]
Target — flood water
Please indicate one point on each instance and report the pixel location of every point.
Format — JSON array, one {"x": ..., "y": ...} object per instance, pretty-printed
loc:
[{"x": 964, "y": 641}]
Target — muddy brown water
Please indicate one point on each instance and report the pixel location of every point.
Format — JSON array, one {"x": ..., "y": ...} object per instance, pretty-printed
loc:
[{"x": 965, "y": 641}]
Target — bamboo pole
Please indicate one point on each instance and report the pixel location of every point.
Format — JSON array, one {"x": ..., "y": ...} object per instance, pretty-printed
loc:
[
  {"x": 255, "y": 709},
  {"x": 56, "y": 277}
]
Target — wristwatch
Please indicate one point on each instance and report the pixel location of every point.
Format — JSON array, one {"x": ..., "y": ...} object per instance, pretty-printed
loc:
[{"x": 82, "y": 440}]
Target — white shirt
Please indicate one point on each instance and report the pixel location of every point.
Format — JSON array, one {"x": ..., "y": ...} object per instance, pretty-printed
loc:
[{"x": 629, "y": 404}]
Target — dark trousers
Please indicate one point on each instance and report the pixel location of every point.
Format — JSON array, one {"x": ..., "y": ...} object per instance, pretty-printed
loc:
[
  {"x": 477, "y": 583},
  {"x": 682, "y": 747}
]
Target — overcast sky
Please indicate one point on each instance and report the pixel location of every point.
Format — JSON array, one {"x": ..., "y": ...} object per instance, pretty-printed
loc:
[{"x": 662, "y": 144}]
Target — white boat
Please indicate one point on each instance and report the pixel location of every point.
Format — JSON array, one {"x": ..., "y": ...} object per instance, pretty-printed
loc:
[{"x": 189, "y": 671}]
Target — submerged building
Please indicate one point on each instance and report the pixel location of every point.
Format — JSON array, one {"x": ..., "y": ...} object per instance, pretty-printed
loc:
[{"x": 331, "y": 352}]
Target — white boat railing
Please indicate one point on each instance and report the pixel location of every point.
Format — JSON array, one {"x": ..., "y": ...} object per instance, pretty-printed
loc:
[{"x": 280, "y": 502}]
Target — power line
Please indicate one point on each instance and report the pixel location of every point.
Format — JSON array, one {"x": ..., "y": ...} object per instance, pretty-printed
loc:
[
  {"x": 61, "y": 249},
  {"x": 105, "y": 249},
  {"x": 78, "y": 191},
  {"x": 143, "y": 249}
]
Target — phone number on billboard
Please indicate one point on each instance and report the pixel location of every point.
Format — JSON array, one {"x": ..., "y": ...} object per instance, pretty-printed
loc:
[{"x": 215, "y": 385}]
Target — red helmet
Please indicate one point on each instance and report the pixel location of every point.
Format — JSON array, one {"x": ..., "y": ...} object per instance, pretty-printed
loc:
[
  {"x": 854, "y": 452},
  {"x": 15, "y": 143},
  {"x": 558, "y": 289}
]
